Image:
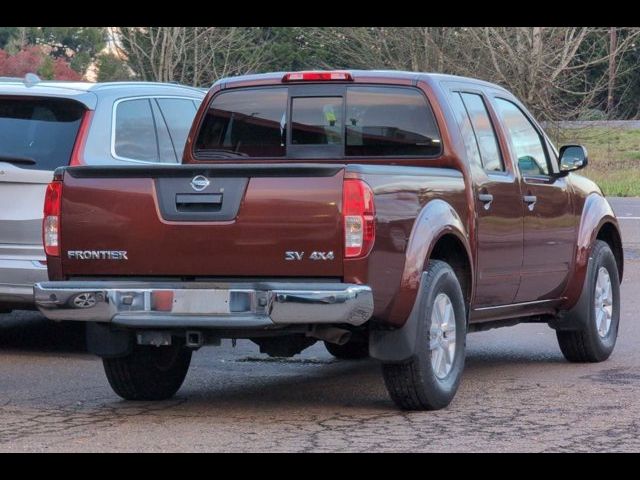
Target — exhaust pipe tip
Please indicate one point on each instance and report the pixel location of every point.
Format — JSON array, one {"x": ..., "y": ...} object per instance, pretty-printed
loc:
[{"x": 339, "y": 336}]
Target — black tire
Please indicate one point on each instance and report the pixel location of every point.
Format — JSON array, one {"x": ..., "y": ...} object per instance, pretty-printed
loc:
[
  {"x": 414, "y": 385},
  {"x": 149, "y": 372},
  {"x": 355, "y": 349},
  {"x": 585, "y": 344}
]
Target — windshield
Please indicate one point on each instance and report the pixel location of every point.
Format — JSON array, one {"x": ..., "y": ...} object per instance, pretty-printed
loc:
[{"x": 38, "y": 133}]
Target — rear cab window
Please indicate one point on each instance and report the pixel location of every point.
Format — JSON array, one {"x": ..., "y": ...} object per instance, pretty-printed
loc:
[
  {"x": 39, "y": 131},
  {"x": 328, "y": 121}
]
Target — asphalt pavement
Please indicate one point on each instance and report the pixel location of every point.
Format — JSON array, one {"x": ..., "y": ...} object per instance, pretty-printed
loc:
[{"x": 517, "y": 394}]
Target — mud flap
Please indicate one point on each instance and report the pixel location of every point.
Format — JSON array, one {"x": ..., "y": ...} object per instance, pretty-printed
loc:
[
  {"x": 400, "y": 344},
  {"x": 104, "y": 341}
]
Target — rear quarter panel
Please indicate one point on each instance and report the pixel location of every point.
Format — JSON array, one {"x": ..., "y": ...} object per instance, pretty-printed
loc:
[{"x": 404, "y": 233}]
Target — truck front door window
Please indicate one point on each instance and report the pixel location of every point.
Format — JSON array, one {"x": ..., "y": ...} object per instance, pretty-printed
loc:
[{"x": 525, "y": 140}]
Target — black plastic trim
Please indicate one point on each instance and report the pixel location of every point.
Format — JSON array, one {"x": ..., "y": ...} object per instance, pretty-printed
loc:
[{"x": 236, "y": 169}]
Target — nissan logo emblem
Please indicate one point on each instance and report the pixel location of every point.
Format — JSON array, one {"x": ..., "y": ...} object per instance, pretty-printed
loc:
[{"x": 199, "y": 183}]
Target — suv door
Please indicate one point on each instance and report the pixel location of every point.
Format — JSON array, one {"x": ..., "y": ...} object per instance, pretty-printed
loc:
[
  {"x": 549, "y": 223},
  {"x": 496, "y": 191}
]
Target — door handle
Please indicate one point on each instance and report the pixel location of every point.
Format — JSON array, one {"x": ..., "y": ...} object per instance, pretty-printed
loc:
[
  {"x": 486, "y": 198},
  {"x": 531, "y": 201}
]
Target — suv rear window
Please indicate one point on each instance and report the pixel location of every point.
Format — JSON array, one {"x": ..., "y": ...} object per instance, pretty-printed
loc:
[
  {"x": 359, "y": 120},
  {"x": 39, "y": 129}
]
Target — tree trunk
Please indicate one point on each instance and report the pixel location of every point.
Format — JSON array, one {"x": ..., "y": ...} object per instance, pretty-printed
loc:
[{"x": 613, "y": 46}]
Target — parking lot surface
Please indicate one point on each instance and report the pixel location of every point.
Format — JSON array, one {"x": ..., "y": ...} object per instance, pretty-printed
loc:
[{"x": 517, "y": 394}]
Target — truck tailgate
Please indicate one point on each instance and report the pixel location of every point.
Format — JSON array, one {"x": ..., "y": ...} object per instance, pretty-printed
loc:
[{"x": 204, "y": 221}]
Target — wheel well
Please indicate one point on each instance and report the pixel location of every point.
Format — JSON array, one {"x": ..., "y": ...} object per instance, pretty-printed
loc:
[
  {"x": 609, "y": 234},
  {"x": 450, "y": 249}
]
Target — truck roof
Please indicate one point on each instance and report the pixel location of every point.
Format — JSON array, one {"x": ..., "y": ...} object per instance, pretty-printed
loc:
[{"x": 276, "y": 77}]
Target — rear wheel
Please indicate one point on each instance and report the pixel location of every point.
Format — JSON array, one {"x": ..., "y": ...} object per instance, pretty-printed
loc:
[
  {"x": 149, "y": 372},
  {"x": 597, "y": 311},
  {"x": 430, "y": 378}
]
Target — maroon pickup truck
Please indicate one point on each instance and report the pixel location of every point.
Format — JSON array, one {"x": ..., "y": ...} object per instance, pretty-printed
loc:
[{"x": 384, "y": 213}]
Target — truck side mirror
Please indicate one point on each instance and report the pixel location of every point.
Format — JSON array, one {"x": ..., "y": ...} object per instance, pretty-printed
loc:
[{"x": 572, "y": 158}]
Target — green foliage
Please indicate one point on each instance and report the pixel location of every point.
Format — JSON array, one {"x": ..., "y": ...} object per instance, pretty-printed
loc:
[
  {"x": 45, "y": 72},
  {"x": 296, "y": 48},
  {"x": 593, "y": 114},
  {"x": 112, "y": 69},
  {"x": 77, "y": 44},
  {"x": 614, "y": 157},
  {"x": 6, "y": 35}
]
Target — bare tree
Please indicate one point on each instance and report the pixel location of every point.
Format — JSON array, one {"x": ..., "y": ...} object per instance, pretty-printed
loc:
[
  {"x": 399, "y": 48},
  {"x": 192, "y": 55},
  {"x": 554, "y": 70},
  {"x": 613, "y": 45}
]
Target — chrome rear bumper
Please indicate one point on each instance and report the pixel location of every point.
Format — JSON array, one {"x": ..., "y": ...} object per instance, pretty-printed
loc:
[
  {"x": 196, "y": 304},
  {"x": 17, "y": 276}
]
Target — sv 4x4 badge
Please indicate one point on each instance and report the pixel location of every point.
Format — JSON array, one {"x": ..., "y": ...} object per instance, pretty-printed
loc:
[{"x": 297, "y": 256}]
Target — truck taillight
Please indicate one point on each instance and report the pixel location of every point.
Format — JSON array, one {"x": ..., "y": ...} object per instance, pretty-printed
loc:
[
  {"x": 51, "y": 221},
  {"x": 317, "y": 76},
  {"x": 358, "y": 212}
]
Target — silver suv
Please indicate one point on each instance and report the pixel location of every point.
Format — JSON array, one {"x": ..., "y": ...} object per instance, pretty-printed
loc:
[{"x": 44, "y": 125}]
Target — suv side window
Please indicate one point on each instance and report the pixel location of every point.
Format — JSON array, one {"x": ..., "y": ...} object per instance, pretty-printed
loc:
[
  {"x": 165, "y": 147},
  {"x": 484, "y": 132},
  {"x": 135, "y": 131},
  {"x": 526, "y": 142},
  {"x": 177, "y": 114}
]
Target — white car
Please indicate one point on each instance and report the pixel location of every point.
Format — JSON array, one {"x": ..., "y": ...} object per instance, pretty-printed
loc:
[{"x": 48, "y": 124}]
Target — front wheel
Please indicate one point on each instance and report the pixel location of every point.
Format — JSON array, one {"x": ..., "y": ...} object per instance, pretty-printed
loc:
[
  {"x": 148, "y": 372},
  {"x": 430, "y": 378},
  {"x": 597, "y": 312}
]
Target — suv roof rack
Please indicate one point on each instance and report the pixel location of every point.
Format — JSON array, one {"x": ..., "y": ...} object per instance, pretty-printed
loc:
[{"x": 29, "y": 79}]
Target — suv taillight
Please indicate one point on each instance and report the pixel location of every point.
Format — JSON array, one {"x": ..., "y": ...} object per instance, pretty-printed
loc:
[
  {"x": 51, "y": 221},
  {"x": 358, "y": 212},
  {"x": 77, "y": 155}
]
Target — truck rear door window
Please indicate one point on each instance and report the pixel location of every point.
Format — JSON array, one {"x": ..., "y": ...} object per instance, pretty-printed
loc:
[
  {"x": 41, "y": 131},
  {"x": 384, "y": 121},
  {"x": 485, "y": 134},
  {"x": 245, "y": 123}
]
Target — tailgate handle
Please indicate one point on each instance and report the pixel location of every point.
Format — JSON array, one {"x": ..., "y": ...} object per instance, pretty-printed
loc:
[{"x": 198, "y": 201}]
